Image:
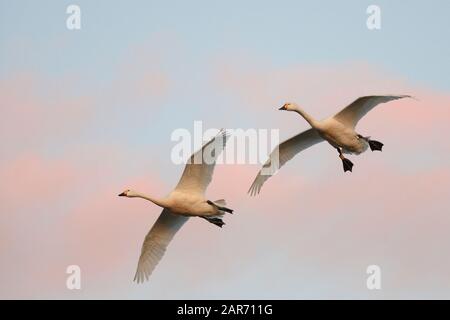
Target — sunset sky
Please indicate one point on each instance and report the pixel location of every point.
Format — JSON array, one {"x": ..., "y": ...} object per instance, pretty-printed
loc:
[{"x": 88, "y": 113}]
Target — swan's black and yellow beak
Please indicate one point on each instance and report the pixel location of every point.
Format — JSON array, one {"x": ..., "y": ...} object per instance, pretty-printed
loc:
[
  {"x": 283, "y": 107},
  {"x": 123, "y": 194}
]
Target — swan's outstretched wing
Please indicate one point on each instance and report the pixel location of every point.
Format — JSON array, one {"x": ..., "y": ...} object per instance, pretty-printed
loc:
[
  {"x": 200, "y": 167},
  {"x": 285, "y": 152},
  {"x": 351, "y": 114},
  {"x": 156, "y": 242}
]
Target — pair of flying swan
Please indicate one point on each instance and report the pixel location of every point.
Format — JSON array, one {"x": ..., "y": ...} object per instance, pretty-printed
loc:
[{"x": 188, "y": 198}]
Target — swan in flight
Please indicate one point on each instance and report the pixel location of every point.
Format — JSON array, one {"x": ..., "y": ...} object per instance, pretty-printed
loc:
[
  {"x": 338, "y": 130},
  {"x": 186, "y": 200}
]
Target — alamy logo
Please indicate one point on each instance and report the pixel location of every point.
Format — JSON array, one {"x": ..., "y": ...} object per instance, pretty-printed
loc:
[
  {"x": 374, "y": 280},
  {"x": 73, "y": 21},
  {"x": 73, "y": 281},
  {"x": 374, "y": 19},
  {"x": 250, "y": 146}
]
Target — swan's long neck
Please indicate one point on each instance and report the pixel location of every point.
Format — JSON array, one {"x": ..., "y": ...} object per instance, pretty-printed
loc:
[
  {"x": 313, "y": 122},
  {"x": 159, "y": 202}
]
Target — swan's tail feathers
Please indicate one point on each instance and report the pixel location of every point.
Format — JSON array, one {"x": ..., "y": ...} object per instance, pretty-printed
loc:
[
  {"x": 220, "y": 205},
  {"x": 364, "y": 138},
  {"x": 221, "y": 202},
  {"x": 375, "y": 145},
  {"x": 215, "y": 220}
]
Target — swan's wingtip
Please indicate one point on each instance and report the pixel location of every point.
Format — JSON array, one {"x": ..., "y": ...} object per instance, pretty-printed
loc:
[
  {"x": 407, "y": 96},
  {"x": 412, "y": 97},
  {"x": 253, "y": 191}
]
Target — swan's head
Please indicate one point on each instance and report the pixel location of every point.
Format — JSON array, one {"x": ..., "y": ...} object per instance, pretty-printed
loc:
[
  {"x": 289, "y": 106},
  {"x": 128, "y": 193}
]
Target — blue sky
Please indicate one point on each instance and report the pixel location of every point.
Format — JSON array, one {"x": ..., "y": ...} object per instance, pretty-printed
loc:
[{"x": 284, "y": 32}]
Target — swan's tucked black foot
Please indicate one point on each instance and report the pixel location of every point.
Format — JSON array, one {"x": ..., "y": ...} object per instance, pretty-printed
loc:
[
  {"x": 375, "y": 145},
  {"x": 225, "y": 209},
  {"x": 348, "y": 165},
  {"x": 217, "y": 221}
]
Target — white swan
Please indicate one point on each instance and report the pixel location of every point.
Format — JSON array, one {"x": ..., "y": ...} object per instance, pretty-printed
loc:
[
  {"x": 338, "y": 130},
  {"x": 186, "y": 200}
]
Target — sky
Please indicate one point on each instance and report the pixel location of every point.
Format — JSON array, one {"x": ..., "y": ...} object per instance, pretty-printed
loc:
[{"x": 88, "y": 113}]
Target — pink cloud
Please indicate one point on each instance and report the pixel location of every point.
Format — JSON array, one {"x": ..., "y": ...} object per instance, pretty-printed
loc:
[
  {"x": 57, "y": 212},
  {"x": 140, "y": 79},
  {"x": 39, "y": 109},
  {"x": 36, "y": 177},
  {"x": 339, "y": 224},
  {"x": 290, "y": 220},
  {"x": 34, "y": 112}
]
